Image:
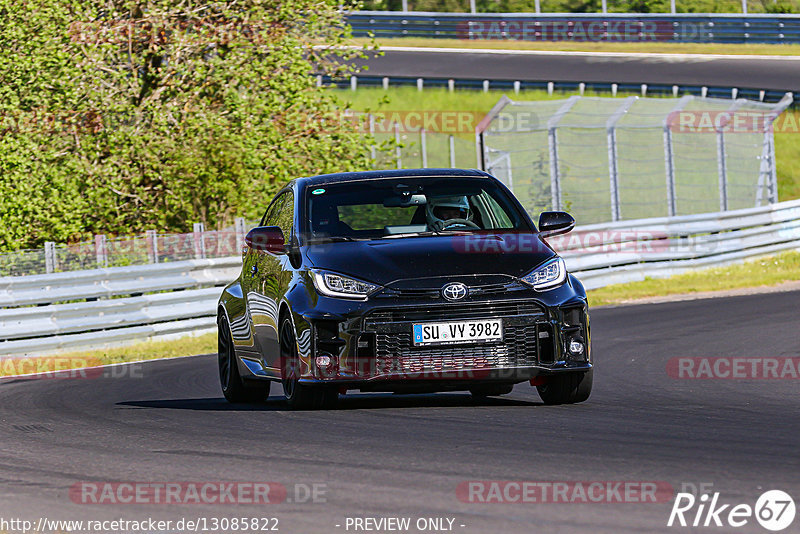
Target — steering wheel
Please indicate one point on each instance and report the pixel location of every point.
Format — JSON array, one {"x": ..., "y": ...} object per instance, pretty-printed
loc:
[{"x": 459, "y": 222}]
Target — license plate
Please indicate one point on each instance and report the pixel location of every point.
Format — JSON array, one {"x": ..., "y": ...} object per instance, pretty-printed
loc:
[{"x": 460, "y": 332}]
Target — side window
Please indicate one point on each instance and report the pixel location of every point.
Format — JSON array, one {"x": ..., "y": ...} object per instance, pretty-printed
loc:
[{"x": 285, "y": 216}]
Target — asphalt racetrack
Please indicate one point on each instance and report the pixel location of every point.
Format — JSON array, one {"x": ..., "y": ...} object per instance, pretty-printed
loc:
[
  {"x": 769, "y": 73},
  {"x": 380, "y": 455}
]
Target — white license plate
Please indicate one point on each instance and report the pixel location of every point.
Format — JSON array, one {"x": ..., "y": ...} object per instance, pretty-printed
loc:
[{"x": 460, "y": 332}]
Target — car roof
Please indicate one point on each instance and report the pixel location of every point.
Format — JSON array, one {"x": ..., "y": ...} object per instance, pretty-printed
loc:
[{"x": 311, "y": 181}]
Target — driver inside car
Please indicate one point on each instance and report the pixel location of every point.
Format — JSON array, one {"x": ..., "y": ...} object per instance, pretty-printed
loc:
[{"x": 448, "y": 212}]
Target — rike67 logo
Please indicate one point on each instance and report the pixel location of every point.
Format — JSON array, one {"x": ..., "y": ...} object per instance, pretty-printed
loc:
[{"x": 774, "y": 510}]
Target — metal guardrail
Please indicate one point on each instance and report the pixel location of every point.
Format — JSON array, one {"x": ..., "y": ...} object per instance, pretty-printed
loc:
[
  {"x": 35, "y": 319},
  {"x": 480, "y": 84},
  {"x": 581, "y": 27}
]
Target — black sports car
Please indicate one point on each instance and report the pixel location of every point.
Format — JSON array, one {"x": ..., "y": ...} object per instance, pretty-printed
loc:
[{"x": 406, "y": 281}]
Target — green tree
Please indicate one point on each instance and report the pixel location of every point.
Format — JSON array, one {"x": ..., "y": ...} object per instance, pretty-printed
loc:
[{"x": 118, "y": 116}]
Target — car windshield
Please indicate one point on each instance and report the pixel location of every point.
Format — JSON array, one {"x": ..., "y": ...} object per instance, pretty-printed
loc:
[{"x": 407, "y": 207}]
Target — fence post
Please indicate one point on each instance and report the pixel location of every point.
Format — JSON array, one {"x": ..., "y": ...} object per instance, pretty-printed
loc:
[
  {"x": 398, "y": 153},
  {"x": 198, "y": 239},
  {"x": 613, "y": 160},
  {"x": 773, "y": 182},
  {"x": 479, "y": 148},
  {"x": 537, "y": 7},
  {"x": 669, "y": 155},
  {"x": 452, "y": 151},
  {"x": 101, "y": 251},
  {"x": 240, "y": 229},
  {"x": 152, "y": 246},
  {"x": 423, "y": 141},
  {"x": 552, "y": 145},
  {"x": 50, "y": 260},
  {"x": 372, "y": 149},
  {"x": 722, "y": 164},
  {"x": 722, "y": 171}
]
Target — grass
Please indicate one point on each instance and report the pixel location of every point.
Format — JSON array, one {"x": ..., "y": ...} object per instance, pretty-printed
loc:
[
  {"x": 571, "y": 46},
  {"x": 148, "y": 350},
  {"x": 769, "y": 271}
]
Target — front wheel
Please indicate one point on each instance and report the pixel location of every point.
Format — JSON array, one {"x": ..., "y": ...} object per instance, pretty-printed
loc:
[
  {"x": 567, "y": 388},
  {"x": 300, "y": 396},
  {"x": 233, "y": 387}
]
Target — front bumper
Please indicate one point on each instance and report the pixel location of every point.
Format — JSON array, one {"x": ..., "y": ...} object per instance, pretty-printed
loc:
[{"x": 370, "y": 345}]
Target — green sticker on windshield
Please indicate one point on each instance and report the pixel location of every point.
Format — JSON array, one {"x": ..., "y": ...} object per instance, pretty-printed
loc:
[{"x": 317, "y": 191}]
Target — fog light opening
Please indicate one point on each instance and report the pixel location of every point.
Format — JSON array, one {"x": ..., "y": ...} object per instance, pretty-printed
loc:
[{"x": 576, "y": 347}]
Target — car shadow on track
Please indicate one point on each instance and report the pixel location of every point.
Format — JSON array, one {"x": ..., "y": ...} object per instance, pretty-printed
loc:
[{"x": 350, "y": 402}]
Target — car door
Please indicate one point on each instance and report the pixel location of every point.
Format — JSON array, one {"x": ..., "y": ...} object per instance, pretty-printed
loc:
[{"x": 269, "y": 277}]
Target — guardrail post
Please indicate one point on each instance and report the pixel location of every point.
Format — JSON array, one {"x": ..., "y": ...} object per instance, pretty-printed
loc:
[
  {"x": 451, "y": 85},
  {"x": 420, "y": 84},
  {"x": 385, "y": 83},
  {"x": 423, "y": 142},
  {"x": 101, "y": 250},
  {"x": 152, "y": 246},
  {"x": 50, "y": 260},
  {"x": 240, "y": 229},
  {"x": 353, "y": 83},
  {"x": 452, "y": 151},
  {"x": 397, "y": 152},
  {"x": 198, "y": 239}
]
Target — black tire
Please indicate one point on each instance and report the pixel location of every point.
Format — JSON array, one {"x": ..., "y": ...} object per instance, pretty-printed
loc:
[
  {"x": 300, "y": 396},
  {"x": 233, "y": 387},
  {"x": 491, "y": 390},
  {"x": 567, "y": 388}
]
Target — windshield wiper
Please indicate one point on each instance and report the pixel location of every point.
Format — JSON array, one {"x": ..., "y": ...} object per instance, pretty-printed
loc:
[{"x": 426, "y": 233}]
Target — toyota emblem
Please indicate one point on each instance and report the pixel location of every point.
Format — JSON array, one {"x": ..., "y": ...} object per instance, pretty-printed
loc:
[{"x": 454, "y": 291}]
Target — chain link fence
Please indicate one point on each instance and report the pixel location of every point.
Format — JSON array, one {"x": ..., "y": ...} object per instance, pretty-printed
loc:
[
  {"x": 609, "y": 159},
  {"x": 150, "y": 247}
]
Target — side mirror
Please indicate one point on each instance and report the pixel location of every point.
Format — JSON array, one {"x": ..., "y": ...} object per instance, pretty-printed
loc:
[
  {"x": 266, "y": 239},
  {"x": 555, "y": 223}
]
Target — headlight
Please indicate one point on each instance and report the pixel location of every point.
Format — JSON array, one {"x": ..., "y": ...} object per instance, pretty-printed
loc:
[
  {"x": 336, "y": 285},
  {"x": 551, "y": 274}
]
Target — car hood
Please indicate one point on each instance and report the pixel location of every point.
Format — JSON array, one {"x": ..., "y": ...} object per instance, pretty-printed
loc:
[{"x": 388, "y": 261}]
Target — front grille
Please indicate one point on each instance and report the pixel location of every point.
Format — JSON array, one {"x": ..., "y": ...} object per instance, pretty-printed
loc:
[
  {"x": 396, "y": 353},
  {"x": 453, "y": 312}
]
